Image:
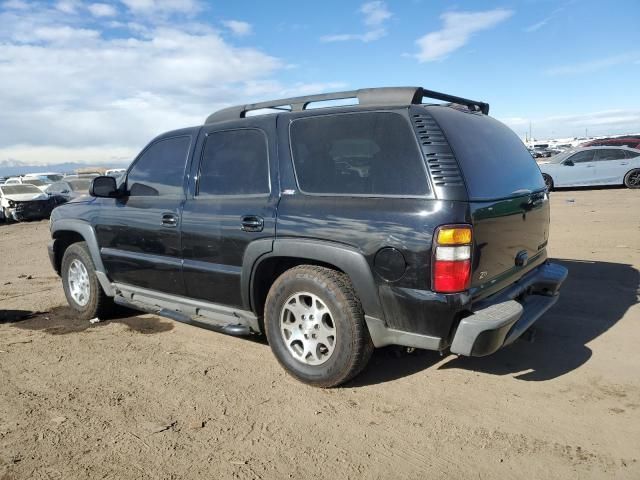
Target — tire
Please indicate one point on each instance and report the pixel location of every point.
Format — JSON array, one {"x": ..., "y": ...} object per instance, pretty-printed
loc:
[
  {"x": 308, "y": 288},
  {"x": 548, "y": 181},
  {"x": 7, "y": 216},
  {"x": 632, "y": 178},
  {"x": 77, "y": 263}
]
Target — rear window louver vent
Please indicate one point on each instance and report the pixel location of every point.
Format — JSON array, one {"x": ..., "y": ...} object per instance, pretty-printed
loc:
[{"x": 441, "y": 163}]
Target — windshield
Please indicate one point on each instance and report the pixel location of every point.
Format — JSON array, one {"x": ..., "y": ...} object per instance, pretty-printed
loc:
[
  {"x": 53, "y": 177},
  {"x": 18, "y": 189},
  {"x": 559, "y": 158},
  {"x": 79, "y": 185},
  {"x": 34, "y": 181}
]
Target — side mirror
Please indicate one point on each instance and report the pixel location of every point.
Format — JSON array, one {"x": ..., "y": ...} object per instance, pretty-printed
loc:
[
  {"x": 568, "y": 163},
  {"x": 103, "y": 187}
]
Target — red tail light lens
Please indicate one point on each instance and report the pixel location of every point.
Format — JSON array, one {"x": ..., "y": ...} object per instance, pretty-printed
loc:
[
  {"x": 451, "y": 265},
  {"x": 451, "y": 276}
]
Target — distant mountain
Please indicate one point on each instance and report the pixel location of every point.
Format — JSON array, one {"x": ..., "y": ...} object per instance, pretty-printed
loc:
[{"x": 10, "y": 168}]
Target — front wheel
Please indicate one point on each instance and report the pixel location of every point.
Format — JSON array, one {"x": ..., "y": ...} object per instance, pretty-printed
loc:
[
  {"x": 632, "y": 179},
  {"x": 81, "y": 286},
  {"x": 8, "y": 218},
  {"x": 315, "y": 326},
  {"x": 548, "y": 181}
]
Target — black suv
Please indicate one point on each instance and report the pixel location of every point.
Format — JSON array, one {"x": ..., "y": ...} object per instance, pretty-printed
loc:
[{"x": 332, "y": 230}]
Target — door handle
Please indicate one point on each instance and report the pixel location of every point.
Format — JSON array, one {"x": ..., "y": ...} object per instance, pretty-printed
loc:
[
  {"x": 169, "y": 220},
  {"x": 252, "y": 223},
  {"x": 589, "y": 166}
]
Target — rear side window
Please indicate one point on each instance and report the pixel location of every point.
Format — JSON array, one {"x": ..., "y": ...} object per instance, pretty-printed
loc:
[
  {"x": 234, "y": 162},
  {"x": 370, "y": 154},
  {"x": 582, "y": 157},
  {"x": 631, "y": 153},
  {"x": 160, "y": 169},
  {"x": 610, "y": 154},
  {"x": 494, "y": 161}
]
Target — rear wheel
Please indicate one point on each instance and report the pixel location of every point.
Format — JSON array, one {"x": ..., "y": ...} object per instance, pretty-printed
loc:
[
  {"x": 81, "y": 286},
  {"x": 548, "y": 181},
  {"x": 315, "y": 326},
  {"x": 632, "y": 179}
]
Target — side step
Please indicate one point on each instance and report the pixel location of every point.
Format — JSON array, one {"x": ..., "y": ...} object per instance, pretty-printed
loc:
[{"x": 199, "y": 321}]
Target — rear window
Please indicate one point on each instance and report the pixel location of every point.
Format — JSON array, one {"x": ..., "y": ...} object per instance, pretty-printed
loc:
[
  {"x": 494, "y": 161},
  {"x": 18, "y": 189},
  {"x": 369, "y": 153},
  {"x": 80, "y": 184}
]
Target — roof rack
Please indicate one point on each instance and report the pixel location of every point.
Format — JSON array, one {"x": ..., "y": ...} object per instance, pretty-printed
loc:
[{"x": 384, "y": 96}]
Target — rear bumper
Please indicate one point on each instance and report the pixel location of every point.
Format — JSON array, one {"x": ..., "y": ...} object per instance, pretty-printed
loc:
[{"x": 502, "y": 318}]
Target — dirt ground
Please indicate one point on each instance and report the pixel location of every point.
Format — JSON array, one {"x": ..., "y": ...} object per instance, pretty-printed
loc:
[{"x": 146, "y": 397}]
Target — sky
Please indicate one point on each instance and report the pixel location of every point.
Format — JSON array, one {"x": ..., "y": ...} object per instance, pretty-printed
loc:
[{"x": 95, "y": 81}]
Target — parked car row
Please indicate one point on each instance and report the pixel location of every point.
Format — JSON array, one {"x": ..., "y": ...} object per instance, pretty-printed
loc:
[
  {"x": 593, "y": 166},
  {"x": 630, "y": 141},
  {"x": 24, "y": 202},
  {"x": 35, "y": 195}
]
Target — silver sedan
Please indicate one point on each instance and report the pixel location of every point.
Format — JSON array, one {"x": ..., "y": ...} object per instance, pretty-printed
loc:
[{"x": 593, "y": 166}]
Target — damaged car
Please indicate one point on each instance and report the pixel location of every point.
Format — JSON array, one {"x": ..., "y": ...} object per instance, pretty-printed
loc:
[{"x": 24, "y": 202}]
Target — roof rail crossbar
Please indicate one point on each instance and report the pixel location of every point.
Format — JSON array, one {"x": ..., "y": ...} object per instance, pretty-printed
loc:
[
  {"x": 384, "y": 96},
  {"x": 470, "y": 104}
]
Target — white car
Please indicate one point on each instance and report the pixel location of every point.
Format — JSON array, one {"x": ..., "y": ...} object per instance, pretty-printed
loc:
[
  {"x": 593, "y": 166},
  {"x": 24, "y": 202},
  {"x": 47, "y": 176},
  {"x": 41, "y": 182},
  {"x": 116, "y": 172}
]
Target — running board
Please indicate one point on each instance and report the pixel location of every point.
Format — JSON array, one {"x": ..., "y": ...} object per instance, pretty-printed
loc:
[
  {"x": 211, "y": 316},
  {"x": 202, "y": 322}
]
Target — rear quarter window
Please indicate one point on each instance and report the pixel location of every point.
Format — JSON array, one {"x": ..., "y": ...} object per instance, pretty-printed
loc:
[
  {"x": 363, "y": 154},
  {"x": 494, "y": 161}
]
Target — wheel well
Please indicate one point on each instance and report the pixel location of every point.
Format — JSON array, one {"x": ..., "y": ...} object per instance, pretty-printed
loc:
[
  {"x": 269, "y": 270},
  {"x": 63, "y": 239}
]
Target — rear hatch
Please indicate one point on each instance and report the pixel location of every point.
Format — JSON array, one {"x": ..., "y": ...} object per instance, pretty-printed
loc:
[{"x": 508, "y": 204}]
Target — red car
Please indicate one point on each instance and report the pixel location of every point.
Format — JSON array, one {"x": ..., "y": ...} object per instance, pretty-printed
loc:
[{"x": 631, "y": 142}]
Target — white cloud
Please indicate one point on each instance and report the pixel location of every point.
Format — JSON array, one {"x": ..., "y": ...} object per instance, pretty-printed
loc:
[
  {"x": 64, "y": 34},
  {"x": 67, "y": 6},
  {"x": 238, "y": 27},
  {"x": 606, "y": 122},
  {"x": 538, "y": 25},
  {"x": 458, "y": 28},
  {"x": 89, "y": 90},
  {"x": 102, "y": 10},
  {"x": 99, "y": 98},
  {"x": 162, "y": 6},
  {"x": 369, "y": 36},
  {"x": 375, "y": 14},
  {"x": 595, "y": 65},
  {"x": 52, "y": 154},
  {"x": 15, "y": 5}
]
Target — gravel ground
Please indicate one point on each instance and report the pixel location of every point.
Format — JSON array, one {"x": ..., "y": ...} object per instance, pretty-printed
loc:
[{"x": 146, "y": 397}]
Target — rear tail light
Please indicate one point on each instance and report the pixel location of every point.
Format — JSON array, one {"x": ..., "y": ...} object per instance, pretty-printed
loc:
[{"x": 451, "y": 265}]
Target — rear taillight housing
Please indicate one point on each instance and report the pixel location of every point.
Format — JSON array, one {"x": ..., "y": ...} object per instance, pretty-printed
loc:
[{"x": 451, "y": 262}]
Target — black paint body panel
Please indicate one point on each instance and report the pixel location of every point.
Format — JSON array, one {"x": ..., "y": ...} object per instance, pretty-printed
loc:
[{"x": 384, "y": 243}]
